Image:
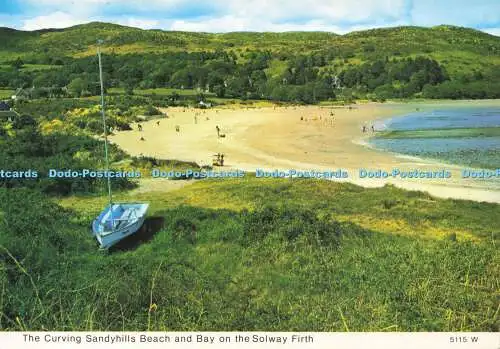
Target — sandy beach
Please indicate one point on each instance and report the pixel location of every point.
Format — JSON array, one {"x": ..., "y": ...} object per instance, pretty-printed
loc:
[{"x": 308, "y": 138}]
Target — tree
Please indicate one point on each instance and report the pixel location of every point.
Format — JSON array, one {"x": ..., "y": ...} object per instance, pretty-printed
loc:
[
  {"x": 24, "y": 121},
  {"x": 77, "y": 86},
  {"x": 129, "y": 90},
  {"x": 18, "y": 63},
  {"x": 219, "y": 90},
  {"x": 174, "y": 97}
]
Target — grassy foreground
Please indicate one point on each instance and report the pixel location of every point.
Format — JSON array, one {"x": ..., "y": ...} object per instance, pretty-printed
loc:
[{"x": 254, "y": 254}]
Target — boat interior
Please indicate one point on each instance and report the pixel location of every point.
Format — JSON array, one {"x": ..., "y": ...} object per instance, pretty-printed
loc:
[{"x": 120, "y": 216}]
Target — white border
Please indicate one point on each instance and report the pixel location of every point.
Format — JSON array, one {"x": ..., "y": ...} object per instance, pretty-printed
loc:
[{"x": 385, "y": 340}]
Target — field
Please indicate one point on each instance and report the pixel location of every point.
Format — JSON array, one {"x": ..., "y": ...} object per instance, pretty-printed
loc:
[
  {"x": 161, "y": 92},
  {"x": 258, "y": 254},
  {"x": 6, "y": 94}
]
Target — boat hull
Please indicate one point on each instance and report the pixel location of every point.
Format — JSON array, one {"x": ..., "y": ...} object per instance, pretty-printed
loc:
[{"x": 108, "y": 233}]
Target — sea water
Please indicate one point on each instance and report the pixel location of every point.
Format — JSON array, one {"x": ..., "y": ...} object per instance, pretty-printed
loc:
[{"x": 470, "y": 151}]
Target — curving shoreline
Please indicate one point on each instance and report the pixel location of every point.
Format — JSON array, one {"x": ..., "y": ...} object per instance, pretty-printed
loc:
[{"x": 277, "y": 138}]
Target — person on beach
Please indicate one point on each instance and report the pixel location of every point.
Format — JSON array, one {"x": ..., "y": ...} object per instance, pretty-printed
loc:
[
  {"x": 217, "y": 128},
  {"x": 373, "y": 128},
  {"x": 177, "y": 128},
  {"x": 364, "y": 128},
  {"x": 222, "y": 159},
  {"x": 139, "y": 126}
]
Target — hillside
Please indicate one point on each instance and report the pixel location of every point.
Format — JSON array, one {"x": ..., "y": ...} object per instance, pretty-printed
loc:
[
  {"x": 376, "y": 58},
  {"x": 80, "y": 40},
  {"x": 77, "y": 40},
  {"x": 218, "y": 257}
]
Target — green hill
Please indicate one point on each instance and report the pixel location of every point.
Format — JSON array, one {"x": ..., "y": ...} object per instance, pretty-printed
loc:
[
  {"x": 79, "y": 40},
  {"x": 305, "y": 61}
]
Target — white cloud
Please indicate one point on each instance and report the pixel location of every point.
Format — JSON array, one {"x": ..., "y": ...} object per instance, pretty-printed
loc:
[
  {"x": 338, "y": 16},
  {"x": 53, "y": 20},
  {"x": 339, "y": 10},
  {"x": 275, "y": 10},
  {"x": 211, "y": 24},
  {"x": 232, "y": 23},
  {"x": 98, "y": 6},
  {"x": 492, "y": 31},
  {"x": 139, "y": 23},
  {"x": 64, "y": 20}
]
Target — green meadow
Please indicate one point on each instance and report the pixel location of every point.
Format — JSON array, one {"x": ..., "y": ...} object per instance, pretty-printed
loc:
[
  {"x": 253, "y": 254},
  {"x": 6, "y": 94},
  {"x": 165, "y": 92}
]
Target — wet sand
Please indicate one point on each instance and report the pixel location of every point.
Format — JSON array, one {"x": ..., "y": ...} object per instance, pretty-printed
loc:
[{"x": 277, "y": 138}]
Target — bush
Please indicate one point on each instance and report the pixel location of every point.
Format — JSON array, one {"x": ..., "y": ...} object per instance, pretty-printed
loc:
[
  {"x": 290, "y": 224},
  {"x": 184, "y": 229},
  {"x": 151, "y": 111}
]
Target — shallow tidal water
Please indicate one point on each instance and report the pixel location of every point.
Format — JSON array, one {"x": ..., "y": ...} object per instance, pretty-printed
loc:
[{"x": 468, "y": 151}]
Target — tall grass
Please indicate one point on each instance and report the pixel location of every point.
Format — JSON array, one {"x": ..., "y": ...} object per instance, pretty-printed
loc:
[{"x": 299, "y": 265}]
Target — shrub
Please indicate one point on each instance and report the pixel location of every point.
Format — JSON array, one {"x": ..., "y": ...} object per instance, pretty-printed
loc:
[
  {"x": 184, "y": 229},
  {"x": 290, "y": 224}
]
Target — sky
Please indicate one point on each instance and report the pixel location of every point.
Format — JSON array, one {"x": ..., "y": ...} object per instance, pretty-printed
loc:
[{"x": 338, "y": 16}]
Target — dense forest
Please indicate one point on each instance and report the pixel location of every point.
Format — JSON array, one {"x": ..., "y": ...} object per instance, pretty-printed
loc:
[{"x": 440, "y": 62}]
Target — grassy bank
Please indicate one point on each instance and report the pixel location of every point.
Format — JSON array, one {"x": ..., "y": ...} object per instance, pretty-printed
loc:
[
  {"x": 255, "y": 254},
  {"x": 6, "y": 94},
  {"x": 165, "y": 92}
]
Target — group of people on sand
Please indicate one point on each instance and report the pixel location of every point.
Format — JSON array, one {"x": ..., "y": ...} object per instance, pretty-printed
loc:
[
  {"x": 365, "y": 128},
  {"x": 220, "y": 159},
  {"x": 178, "y": 128},
  {"x": 327, "y": 120},
  {"x": 139, "y": 127},
  {"x": 219, "y": 135}
]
